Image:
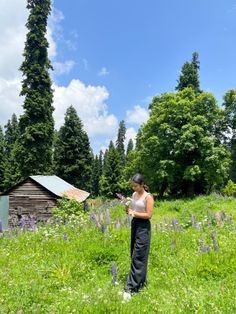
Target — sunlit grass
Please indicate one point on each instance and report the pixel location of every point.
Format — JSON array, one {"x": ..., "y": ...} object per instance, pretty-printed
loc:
[{"x": 67, "y": 268}]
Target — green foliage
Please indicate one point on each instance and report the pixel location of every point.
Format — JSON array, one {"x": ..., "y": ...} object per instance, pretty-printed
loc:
[
  {"x": 45, "y": 273},
  {"x": 110, "y": 180},
  {"x": 130, "y": 147},
  {"x": 120, "y": 142},
  {"x": 189, "y": 75},
  {"x": 230, "y": 188},
  {"x": 67, "y": 209},
  {"x": 230, "y": 113},
  {"x": 33, "y": 151},
  {"x": 2, "y": 159},
  {"x": 180, "y": 148},
  {"x": 73, "y": 156}
]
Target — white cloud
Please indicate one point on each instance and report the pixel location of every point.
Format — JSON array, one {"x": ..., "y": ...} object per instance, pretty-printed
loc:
[
  {"x": 138, "y": 115},
  {"x": 61, "y": 68},
  {"x": 89, "y": 102},
  {"x": 103, "y": 72},
  {"x": 130, "y": 134}
]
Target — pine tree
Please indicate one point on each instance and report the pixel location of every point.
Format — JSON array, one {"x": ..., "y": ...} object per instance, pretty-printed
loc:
[
  {"x": 189, "y": 76},
  {"x": 11, "y": 165},
  {"x": 95, "y": 177},
  {"x": 110, "y": 179},
  {"x": 34, "y": 149},
  {"x": 73, "y": 156},
  {"x": 2, "y": 159},
  {"x": 100, "y": 162},
  {"x": 130, "y": 147},
  {"x": 11, "y": 133},
  {"x": 120, "y": 142}
]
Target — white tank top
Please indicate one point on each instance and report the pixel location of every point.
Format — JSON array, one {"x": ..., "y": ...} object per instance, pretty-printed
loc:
[{"x": 139, "y": 204}]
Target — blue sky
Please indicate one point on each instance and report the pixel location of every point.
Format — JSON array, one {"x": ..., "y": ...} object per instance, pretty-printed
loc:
[{"x": 111, "y": 57}]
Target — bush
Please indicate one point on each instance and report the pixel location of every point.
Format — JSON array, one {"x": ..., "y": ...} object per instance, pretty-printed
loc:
[
  {"x": 67, "y": 208},
  {"x": 230, "y": 188}
]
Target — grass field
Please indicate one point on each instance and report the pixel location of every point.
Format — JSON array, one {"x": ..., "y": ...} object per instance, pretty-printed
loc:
[{"x": 67, "y": 268}]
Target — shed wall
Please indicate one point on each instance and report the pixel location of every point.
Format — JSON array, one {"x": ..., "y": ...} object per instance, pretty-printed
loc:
[{"x": 29, "y": 199}]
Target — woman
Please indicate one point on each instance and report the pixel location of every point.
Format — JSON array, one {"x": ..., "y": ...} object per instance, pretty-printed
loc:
[{"x": 141, "y": 211}]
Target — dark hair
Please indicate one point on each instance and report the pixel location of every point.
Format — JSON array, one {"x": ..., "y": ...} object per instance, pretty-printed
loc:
[{"x": 139, "y": 179}]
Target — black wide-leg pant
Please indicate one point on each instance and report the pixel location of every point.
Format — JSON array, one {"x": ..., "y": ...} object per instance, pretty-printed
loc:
[{"x": 140, "y": 245}]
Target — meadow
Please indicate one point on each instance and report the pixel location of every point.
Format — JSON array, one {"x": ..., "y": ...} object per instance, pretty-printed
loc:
[{"x": 81, "y": 266}]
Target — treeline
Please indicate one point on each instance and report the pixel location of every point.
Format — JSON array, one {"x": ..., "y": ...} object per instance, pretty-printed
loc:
[{"x": 187, "y": 146}]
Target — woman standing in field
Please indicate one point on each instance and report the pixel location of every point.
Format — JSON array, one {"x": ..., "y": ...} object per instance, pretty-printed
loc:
[{"x": 141, "y": 210}]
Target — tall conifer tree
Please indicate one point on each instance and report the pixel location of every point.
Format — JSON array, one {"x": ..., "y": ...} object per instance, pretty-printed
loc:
[
  {"x": 2, "y": 159},
  {"x": 11, "y": 163},
  {"x": 120, "y": 142},
  {"x": 34, "y": 149},
  {"x": 189, "y": 76},
  {"x": 110, "y": 179},
  {"x": 73, "y": 156},
  {"x": 130, "y": 147}
]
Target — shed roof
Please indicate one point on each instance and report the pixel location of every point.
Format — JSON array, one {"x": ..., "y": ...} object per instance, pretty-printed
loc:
[
  {"x": 60, "y": 187},
  {"x": 57, "y": 186}
]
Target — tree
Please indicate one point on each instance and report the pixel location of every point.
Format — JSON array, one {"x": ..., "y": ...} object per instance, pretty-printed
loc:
[
  {"x": 130, "y": 147},
  {"x": 2, "y": 159},
  {"x": 73, "y": 156},
  {"x": 110, "y": 179},
  {"x": 11, "y": 133},
  {"x": 179, "y": 149},
  {"x": 95, "y": 177},
  {"x": 34, "y": 149},
  {"x": 120, "y": 142},
  {"x": 11, "y": 163},
  {"x": 189, "y": 76},
  {"x": 230, "y": 112}
]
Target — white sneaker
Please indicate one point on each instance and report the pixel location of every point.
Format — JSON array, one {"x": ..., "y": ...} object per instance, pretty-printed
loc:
[{"x": 126, "y": 296}]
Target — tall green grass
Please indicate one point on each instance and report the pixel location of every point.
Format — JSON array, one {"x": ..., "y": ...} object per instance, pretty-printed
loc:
[{"x": 67, "y": 268}]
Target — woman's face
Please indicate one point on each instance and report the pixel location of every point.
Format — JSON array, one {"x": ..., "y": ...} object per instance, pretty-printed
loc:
[{"x": 136, "y": 187}]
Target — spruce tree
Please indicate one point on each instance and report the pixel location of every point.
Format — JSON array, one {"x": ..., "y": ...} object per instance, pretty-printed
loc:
[
  {"x": 189, "y": 76},
  {"x": 120, "y": 142},
  {"x": 110, "y": 179},
  {"x": 95, "y": 177},
  {"x": 2, "y": 159},
  {"x": 130, "y": 147},
  {"x": 11, "y": 163},
  {"x": 11, "y": 133},
  {"x": 34, "y": 148},
  {"x": 73, "y": 156}
]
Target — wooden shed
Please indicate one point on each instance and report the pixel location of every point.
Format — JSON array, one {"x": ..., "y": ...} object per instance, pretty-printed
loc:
[{"x": 36, "y": 196}]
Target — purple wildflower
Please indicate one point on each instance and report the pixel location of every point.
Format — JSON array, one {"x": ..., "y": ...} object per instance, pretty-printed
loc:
[
  {"x": 114, "y": 273},
  {"x": 128, "y": 220},
  {"x": 108, "y": 217},
  {"x": 203, "y": 248},
  {"x": 103, "y": 228},
  {"x": 65, "y": 237},
  {"x": 230, "y": 219},
  {"x": 121, "y": 222},
  {"x": 122, "y": 198},
  {"x": 1, "y": 230},
  {"x": 223, "y": 215},
  {"x": 32, "y": 222},
  {"x": 213, "y": 234},
  {"x": 94, "y": 218},
  {"x": 23, "y": 222}
]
